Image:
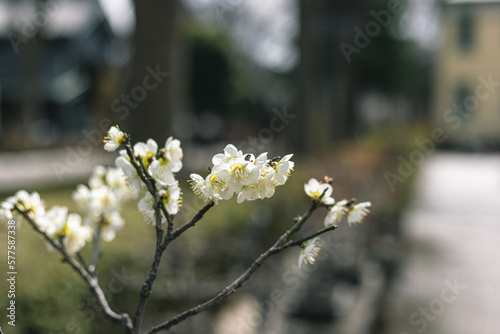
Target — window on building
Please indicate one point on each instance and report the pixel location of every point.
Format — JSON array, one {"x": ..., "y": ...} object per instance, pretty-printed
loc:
[{"x": 465, "y": 31}]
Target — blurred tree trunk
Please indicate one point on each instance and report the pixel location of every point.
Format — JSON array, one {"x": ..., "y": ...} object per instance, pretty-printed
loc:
[
  {"x": 322, "y": 93},
  {"x": 29, "y": 52},
  {"x": 154, "y": 37}
]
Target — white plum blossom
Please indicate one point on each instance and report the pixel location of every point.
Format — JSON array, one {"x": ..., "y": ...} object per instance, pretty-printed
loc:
[
  {"x": 146, "y": 207},
  {"x": 55, "y": 221},
  {"x": 315, "y": 190},
  {"x": 146, "y": 151},
  {"x": 114, "y": 139},
  {"x": 29, "y": 203},
  {"x": 82, "y": 197},
  {"x": 336, "y": 213},
  {"x": 111, "y": 223},
  {"x": 101, "y": 201},
  {"x": 131, "y": 176},
  {"x": 171, "y": 199},
  {"x": 217, "y": 184},
  {"x": 242, "y": 174},
  {"x": 66, "y": 227},
  {"x": 75, "y": 235},
  {"x": 309, "y": 252},
  {"x": 283, "y": 169},
  {"x": 198, "y": 185},
  {"x": 173, "y": 155},
  {"x": 263, "y": 188},
  {"x": 161, "y": 174},
  {"x": 5, "y": 211},
  {"x": 230, "y": 152},
  {"x": 358, "y": 212}
]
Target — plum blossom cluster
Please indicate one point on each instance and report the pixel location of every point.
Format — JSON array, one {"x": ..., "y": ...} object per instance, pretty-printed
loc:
[
  {"x": 100, "y": 201},
  {"x": 62, "y": 226},
  {"x": 322, "y": 193},
  {"x": 244, "y": 175},
  {"x": 159, "y": 163}
]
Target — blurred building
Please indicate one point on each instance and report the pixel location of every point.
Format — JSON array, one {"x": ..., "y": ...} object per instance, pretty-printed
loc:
[
  {"x": 467, "y": 75},
  {"x": 53, "y": 55}
]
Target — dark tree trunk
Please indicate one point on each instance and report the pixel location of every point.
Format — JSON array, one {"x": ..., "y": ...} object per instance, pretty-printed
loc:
[{"x": 151, "y": 117}]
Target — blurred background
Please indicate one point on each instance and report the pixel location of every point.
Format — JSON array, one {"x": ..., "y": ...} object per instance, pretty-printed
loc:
[{"x": 397, "y": 100}]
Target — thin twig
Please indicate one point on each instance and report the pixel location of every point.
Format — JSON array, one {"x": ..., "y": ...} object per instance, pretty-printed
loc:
[
  {"x": 299, "y": 242},
  {"x": 196, "y": 218},
  {"x": 278, "y": 246},
  {"x": 97, "y": 248},
  {"x": 92, "y": 282}
]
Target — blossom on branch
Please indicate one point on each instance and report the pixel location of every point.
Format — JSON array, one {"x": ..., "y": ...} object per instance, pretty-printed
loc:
[
  {"x": 336, "y": 213},
  {"x": 101, "y": 203},
  {"x": 319, "y": 191},
  {"x": 236, "y": 173},
  {"x": 114, "y": 139},
  {"x": 309, "y": 252},
  {"x": 358, "y": 212}
]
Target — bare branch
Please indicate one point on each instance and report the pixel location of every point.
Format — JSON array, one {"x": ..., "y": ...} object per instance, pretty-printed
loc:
[
  {"x": 92, "y": 282},
  {"x": 97, "y": 248},
  {"x": 197, "y": 217},
  {"x": 148, "y": 284},
  {"x": 280, "y": 245}
]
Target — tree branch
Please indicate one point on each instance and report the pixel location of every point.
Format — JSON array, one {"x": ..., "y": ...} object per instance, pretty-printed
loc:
[
  {"x": 148, "y": 284},
  {"x": 97, "y": 248},
  {"x": 196, "y": 218},
  {"x": 92, "y": 282},
  {"x": 278, "y": 246}
]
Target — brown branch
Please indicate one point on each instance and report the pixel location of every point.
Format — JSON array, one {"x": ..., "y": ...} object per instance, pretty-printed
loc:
[
  {"x": 278, "y": 246},
  {"x": 97, "y": 248},
  {"x": 148, "y": 284},
  {"x": 92, "y": 282},
  {"x": 196, "y": 218}
]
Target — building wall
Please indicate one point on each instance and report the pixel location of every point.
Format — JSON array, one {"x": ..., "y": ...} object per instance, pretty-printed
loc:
[{"x": 469, "y": 115}]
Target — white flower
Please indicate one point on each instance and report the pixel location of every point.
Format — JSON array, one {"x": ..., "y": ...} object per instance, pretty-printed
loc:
[
  {"x": 314, "y": 189},
  {"x": 230, "y": 152},
  {"x": 358, "y": 212},
  {"x": 5, "y": 211},
  {"x": 173, "y": 154},
  {"x": 283, "y": 169},
  {"x": 97, "y": 178},
  {"x": 110, "y": 225},
  {"x": 198, "y": 185},
  {"x": 217, "y": 187},
  {"x": 114, "y": 139},
  {"x": 28, "y": 202},
  {"x": 55, "y": 221},
  {"x": 171, "y": 198},
  {"x": 240, "y": 173},
  {"x": 263, "y": 188},
  {"x": 75, "y": 234},
  {"x": 147, "y": 208},
  {"x": 102, "y": 201},
  {"x": 131, "y": 176},
  {"x": 161, "y": 174},
  {"x": 82, "y": 197},
  {"x": 336, "y": 213},
  {"x": 309, "y": 252},
  {"x": 147, "y": 152},
  {"x": 237, "y": 173}
]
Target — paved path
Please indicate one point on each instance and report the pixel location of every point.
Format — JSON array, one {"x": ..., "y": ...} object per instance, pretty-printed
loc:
[{"x": 450, "y": 277}]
